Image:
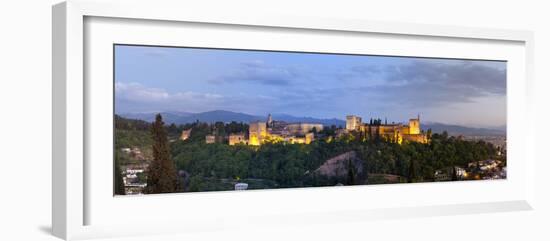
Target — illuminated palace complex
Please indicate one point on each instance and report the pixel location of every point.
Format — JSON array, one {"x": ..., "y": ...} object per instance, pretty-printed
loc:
[
  {"x": 396, "y": 132},
  {"x": 272, "y": 131},
  {"x": 277, "y": 131}
]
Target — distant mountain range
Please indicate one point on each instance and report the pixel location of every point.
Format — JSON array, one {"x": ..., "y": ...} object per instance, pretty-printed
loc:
[
  {"x": 228, "y": 116},
  {"x": 326, "y": 122},
  {"x": 225, "y": 116},
  {"x": 167, "y": 117},
  {"x": 456, "y": 130}
]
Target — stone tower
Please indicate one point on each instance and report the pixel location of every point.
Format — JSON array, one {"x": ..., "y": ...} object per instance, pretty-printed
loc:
[
  {"x": 257, "y": 131},
  {"x": 269, "y": 121},
  {"x": 414, "y": 126},
  {"x": 353, "y": 122}
]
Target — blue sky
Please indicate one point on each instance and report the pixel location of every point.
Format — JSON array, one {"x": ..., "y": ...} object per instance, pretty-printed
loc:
[{"x": 156, "y": 79}]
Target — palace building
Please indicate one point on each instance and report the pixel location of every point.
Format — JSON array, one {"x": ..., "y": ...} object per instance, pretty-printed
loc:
[
  {"x": 303, "y": 128},
  {"x": 238, "y": 138},
  {"x": 393, "y": 132},
  {"x": 272, "y": 131}
]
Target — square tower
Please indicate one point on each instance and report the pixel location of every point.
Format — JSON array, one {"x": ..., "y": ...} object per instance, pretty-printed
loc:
[
  {"x": 414, "y": 126},
  {"x": 257, "y": 131},
  {"x": 353, "y": 122}
]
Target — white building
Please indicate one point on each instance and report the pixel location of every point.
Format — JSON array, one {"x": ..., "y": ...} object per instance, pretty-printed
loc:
[{"x": 241, "y": 186}]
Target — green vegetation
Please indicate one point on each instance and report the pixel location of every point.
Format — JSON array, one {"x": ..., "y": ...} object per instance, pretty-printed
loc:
[
  {"x": 133, "y": 138},
  {"x": 219, "y": 166},
  {"x": 118, "y": 182},
  {"x": 132, "y": 134},
  {"x": 293, "y": 165},
  {"x": 162, "y": 172}
]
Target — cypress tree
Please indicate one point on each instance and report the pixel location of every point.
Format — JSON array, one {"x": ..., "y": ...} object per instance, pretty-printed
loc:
[{"x": 162, "y": 172}]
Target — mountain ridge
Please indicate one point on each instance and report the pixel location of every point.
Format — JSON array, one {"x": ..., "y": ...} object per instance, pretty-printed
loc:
[{"x": 225, "y": 116}]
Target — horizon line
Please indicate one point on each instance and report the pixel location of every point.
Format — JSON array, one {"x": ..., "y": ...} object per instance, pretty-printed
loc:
[{"x": 498, "y": 126}]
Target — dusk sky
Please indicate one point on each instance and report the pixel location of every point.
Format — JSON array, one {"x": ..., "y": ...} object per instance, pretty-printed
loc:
[{"x": 156, "y": 79}]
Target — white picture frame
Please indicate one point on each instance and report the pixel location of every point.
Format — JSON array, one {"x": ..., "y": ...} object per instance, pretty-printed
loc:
[{"x": 73, "y": 192}]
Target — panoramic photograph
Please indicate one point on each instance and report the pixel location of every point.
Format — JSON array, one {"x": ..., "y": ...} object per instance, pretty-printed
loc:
[{"x": 203, "y": 119}]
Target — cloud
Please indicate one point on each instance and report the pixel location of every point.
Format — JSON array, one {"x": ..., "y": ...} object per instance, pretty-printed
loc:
[
  {"x": 140, "y": 93},
  {"x": 258, "y": 72},
  {"x": 431, "y": 83},
  {"x": 135, "y": 96},
  {"x": 398, "y": 89},
  {"x": 464, "y": 76},
  {"x": 415, "y": 86}
]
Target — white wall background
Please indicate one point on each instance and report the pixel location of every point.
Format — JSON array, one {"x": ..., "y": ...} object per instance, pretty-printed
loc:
[{"x": 25, "y": 121}]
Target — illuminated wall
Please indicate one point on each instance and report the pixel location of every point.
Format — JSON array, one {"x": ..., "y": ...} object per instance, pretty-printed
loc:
[
  {"x": 309, "y": 138},
  {"x": 387, "y": 129},
  {"x": 273, "y": 138},
  {"x": 303, "y": 128},
  {"x": 416, "y": 138},
  {"x": 235, "y": 139}
]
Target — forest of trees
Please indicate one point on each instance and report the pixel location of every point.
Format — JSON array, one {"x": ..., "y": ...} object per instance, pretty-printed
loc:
[{"x": 279, "y": 165}]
